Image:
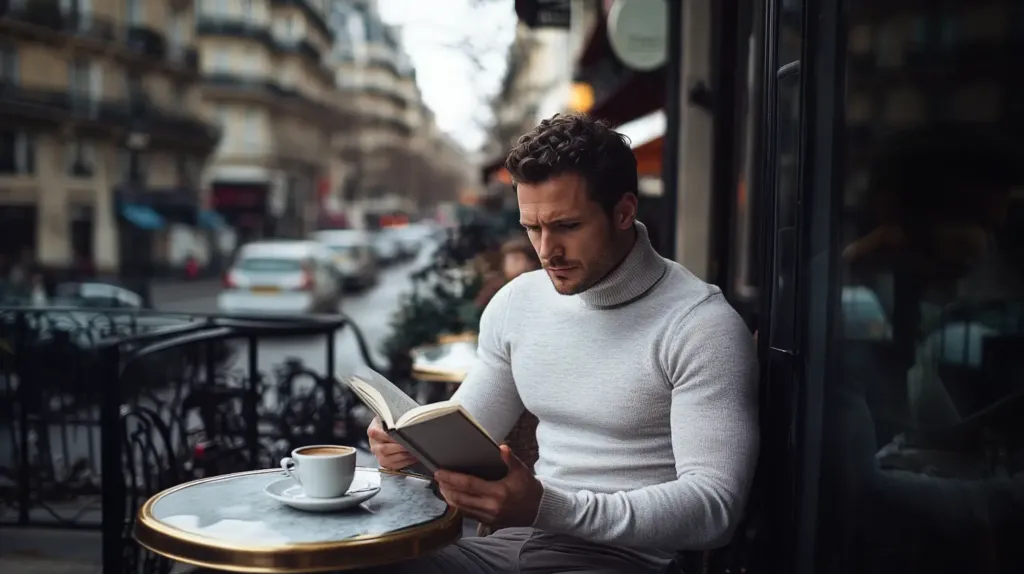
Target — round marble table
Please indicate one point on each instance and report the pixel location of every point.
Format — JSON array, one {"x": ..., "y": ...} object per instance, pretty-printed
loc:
[{"x": 228, "y": 523}]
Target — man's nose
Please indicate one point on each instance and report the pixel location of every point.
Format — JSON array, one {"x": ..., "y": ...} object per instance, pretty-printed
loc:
[{"x": 548, "y": 246}]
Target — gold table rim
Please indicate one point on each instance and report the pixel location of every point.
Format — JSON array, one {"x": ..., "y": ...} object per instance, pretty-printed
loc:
[
  {"x": 357, "y": 552},
  {"x": 430, "y": 375}
]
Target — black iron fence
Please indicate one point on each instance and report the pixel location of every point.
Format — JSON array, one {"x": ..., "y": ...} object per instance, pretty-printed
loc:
[{"x": 100, "y": 409}]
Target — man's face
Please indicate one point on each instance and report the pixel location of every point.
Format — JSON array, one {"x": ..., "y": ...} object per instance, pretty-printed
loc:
[{"x": 578, "y": 243}]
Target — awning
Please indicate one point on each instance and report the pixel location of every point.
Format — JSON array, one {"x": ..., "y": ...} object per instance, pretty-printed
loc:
[
  {"x": 647, "y": 137},
  {"x": 211, "y": 219},
  {"x": 142, "y": 217}
]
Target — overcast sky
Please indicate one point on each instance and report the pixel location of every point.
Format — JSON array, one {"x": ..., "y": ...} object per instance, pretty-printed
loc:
[{"x": 458, "y": 48}]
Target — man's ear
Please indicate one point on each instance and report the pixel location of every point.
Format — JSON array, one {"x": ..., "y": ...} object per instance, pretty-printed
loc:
[{"x": 624, "y": 213}]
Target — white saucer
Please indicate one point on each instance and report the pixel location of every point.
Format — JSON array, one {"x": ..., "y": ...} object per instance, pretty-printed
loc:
[{"x": 365, "y": 486}]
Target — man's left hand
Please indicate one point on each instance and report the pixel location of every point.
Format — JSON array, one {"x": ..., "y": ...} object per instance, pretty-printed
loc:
[{"x": 511, "y": 501}]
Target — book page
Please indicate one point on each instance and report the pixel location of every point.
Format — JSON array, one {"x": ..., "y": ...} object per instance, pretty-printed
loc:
[
  {"x": 426, "y": 412},
  {"x": 371, "y": 398},
  {"x": 397, "y": 402}
]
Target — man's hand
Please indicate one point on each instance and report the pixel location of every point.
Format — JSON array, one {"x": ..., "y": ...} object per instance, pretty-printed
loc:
[
  {"x": 511, "y": 501},
  {"x": 390, "y": 454}
]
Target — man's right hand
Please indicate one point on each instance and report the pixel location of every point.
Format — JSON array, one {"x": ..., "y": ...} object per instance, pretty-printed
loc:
[{"x": 390, "y": 454}]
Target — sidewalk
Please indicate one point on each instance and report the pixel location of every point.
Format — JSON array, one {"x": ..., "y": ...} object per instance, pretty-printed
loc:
[
  {"x": 168, "y": 291},
  {"x": 50, "y": 551}
]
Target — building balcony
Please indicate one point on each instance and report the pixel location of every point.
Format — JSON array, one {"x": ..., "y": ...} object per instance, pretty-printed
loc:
[
  {"x": 300, "y": 46},
  {"x": 235, "y": 28},
  {"x": 145, "y": 41},
  {"x": 40, "y": 14},
  {"x": 386, "y": 63},
  {"x": 184, "y": 56},
  {"x": 90, "y": 26},
  {"x": 104, "y": 115},
  {"x": 317, "y": 19},
  {"x": 43, "y": 20},
  {"x": 266, "y": 90}
]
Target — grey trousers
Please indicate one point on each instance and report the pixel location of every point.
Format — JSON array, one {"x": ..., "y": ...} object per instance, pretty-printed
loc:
[{"x": 530, "y": 551}]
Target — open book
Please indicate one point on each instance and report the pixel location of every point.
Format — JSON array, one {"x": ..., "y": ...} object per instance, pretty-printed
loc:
[{"x": 440, "y": 435}]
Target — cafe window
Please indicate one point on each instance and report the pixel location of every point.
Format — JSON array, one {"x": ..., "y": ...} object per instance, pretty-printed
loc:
[
  {"x": 784, "y": 175},
  {"x": 923, "y": 457}
]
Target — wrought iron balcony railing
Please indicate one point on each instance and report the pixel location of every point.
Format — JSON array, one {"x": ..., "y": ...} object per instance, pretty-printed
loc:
[
  {"x": 145, "y": 41},
  {"x": 234, "y": 27}
]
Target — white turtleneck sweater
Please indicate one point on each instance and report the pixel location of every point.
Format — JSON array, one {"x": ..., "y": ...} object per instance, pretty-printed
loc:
[{"x": 645, "y": 386}]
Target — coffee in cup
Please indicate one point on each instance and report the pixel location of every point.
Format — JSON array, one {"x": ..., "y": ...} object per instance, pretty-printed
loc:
[{"x": 323, "y": 471}]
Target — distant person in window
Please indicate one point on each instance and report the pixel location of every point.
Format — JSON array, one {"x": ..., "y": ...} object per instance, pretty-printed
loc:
[
  {"x": 517, "y": 257},
  {"x": 928, "y": 496}
]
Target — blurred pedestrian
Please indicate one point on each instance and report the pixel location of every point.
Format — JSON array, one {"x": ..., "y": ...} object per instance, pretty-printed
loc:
[{"x": 517, "y": 256}]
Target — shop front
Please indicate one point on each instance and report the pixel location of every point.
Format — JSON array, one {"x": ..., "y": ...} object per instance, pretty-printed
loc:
[{"x": 246, "y": 207}]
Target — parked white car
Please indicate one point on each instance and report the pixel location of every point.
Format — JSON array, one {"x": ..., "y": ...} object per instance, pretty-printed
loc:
[
  {"x": 290, "y": 277},
  {"x": 386, "y": 247},
  {"x": 353, "y": 255}
]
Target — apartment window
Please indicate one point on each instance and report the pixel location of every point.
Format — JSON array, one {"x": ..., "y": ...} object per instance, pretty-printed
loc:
[
  {"x": 251, "y": 133},
  {"x": 221, "y": 60},
  {"x": 80, "y": 10},
  {"x": 215, "y": 7},
  {"x": 177, "y": 36},
  {"x": 81, "y": 158},
  {"x": 8, "y": 64},
  {"x": 135, "y": 13},
  {"x": 17, "y": 153},
  {"x": 133, "y": 166},
  {"x": 133, "y": 87},
  {"x": 188, "y": 171},
  {"x": 80, "y": 78}
]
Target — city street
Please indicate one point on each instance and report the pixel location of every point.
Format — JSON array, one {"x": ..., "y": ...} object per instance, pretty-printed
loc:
[{"x": 371, "y": 310}]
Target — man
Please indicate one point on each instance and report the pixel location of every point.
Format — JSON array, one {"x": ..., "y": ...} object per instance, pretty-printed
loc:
[{"x": 642, "y": 376}]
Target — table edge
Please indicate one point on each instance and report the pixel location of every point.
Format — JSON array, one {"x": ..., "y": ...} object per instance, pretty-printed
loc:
[
  {"x": 357, "y": 552},
  {"x": 428, "y": 375}
]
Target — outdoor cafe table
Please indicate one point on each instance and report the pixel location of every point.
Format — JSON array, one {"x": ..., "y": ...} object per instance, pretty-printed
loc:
[{"x": 228, "y": 523}]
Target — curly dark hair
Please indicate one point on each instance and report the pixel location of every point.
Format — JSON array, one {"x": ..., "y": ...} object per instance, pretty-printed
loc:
[{"x": 579, "y": 144}]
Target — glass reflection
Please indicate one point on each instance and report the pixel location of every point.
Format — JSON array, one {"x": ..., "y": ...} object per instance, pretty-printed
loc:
[{"x": 924, "y": 455}]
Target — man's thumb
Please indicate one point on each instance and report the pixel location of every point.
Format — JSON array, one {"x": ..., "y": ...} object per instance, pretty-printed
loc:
[{"x": 507, "y": 456}]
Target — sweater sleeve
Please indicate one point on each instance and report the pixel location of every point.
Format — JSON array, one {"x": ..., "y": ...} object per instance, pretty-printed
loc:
[
  {"x": 708, "y": 356},
  {"x": 489, "y": 392}
]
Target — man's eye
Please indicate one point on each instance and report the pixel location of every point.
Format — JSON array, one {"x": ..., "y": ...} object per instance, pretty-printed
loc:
[{"x": 569, "y": 225}]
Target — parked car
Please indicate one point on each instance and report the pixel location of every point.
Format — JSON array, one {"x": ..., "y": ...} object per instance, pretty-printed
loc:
[
  {"x": 411, "y": 238},
  {"x": 95, "y": 295},
  {"x": 386, "y": 247},
  {"x": 353, "y": 255},
  {"x": 290, "y": 277}
]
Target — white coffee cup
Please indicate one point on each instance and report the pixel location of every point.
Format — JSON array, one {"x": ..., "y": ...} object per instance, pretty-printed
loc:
[{"x": 323, "y": 471}]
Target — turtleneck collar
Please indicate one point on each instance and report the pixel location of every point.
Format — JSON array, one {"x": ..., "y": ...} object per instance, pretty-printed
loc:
[{"x": 636, "y": 274}]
